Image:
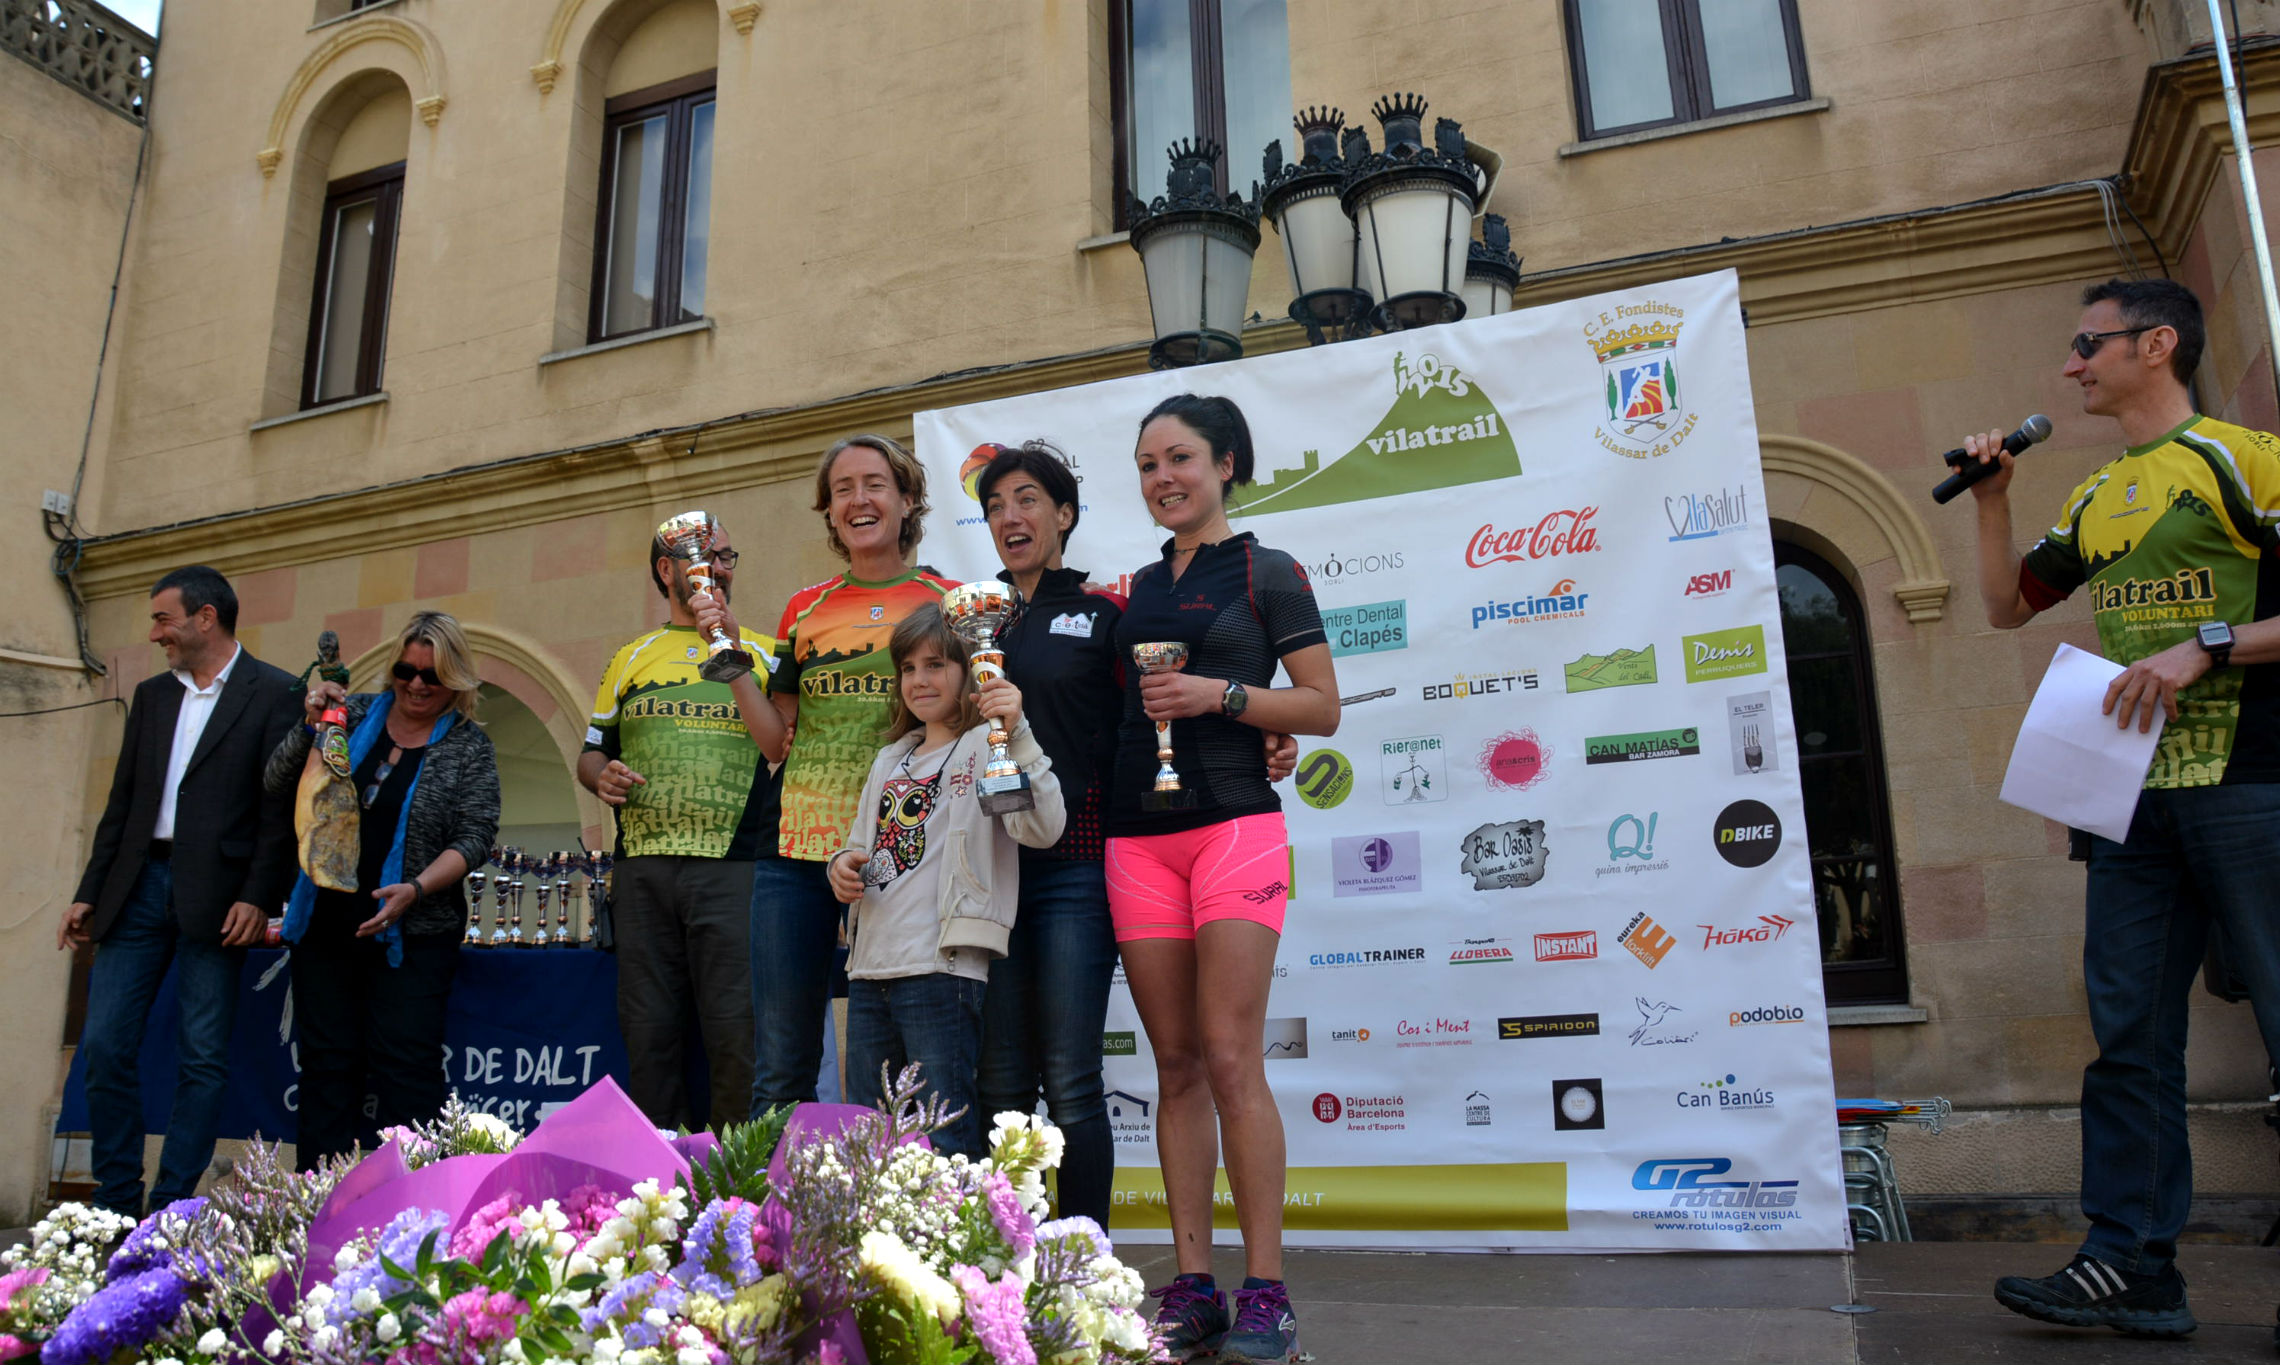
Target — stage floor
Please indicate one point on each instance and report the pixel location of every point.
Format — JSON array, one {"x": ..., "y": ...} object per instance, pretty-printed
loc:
[{"x": 1932, "y": 1300}]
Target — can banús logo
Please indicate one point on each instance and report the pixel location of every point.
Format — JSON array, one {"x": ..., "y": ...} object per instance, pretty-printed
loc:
[
  {"x": 1724, "y": 1095},
  {"x": 1688, "y": 1183}
]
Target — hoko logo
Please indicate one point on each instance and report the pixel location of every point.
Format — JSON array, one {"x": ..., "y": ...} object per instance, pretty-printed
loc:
[
  {"x": 1623, "y": 668},
  {"x": 1724, "y": 653},
  {"x": 1747, "y": 833},
  {"x": 1324, "y": 778},
  {"x": 1644, "y": 745},
  {"x": 1440, "y": 431},
  {"x": 1371, "y": 628}
]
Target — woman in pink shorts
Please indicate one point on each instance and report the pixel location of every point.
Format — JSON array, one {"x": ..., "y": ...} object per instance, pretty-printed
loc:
[{"x": 1197, "y": 885}]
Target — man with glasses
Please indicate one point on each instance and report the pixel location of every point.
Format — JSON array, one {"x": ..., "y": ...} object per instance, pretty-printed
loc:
[
  {"x": 694, "y": 801},
  {"x": 2178, "y": 539}
]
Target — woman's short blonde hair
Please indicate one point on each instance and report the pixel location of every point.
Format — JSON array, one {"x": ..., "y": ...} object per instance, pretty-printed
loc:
[
  {"x": 910, "y": 477},
  {"x": 454, "y": 660}
]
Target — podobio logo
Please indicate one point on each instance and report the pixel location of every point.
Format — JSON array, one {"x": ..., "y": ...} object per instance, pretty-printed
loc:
[
  {"x": 1637, "y": 346},
  {"x": 1324, "y": 779}
]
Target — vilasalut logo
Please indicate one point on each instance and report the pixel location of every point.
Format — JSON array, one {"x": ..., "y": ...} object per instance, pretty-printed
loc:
[
  {"x": 1637, "y": 346},
  {"x": 1441, "y": 431}
]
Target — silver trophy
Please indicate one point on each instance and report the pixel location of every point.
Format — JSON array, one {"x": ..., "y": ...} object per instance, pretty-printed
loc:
[
  {"x": 544, "y": 869},
  {"x": 475, "y": 882},
  {"x": 975, "y": 611},
  {"x": 564, "y": 864},
  {"x": 505, "y": 887},
  {"x": 689, "y": 537},
  {"x": 1166, "y": 656}
]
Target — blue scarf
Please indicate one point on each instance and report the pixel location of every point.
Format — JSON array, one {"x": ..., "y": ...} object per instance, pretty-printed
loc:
[{"x": 370, "y": 731}]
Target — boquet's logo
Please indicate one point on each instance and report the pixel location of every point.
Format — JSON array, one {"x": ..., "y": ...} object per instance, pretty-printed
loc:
[
  {"x": 1440, "y": 431},
  {"x": 1766, "y": 1014},
  {"x": 1724, "y": 653},
  {"x": 1698, "y": 516},
  {"x": 1413, "y": 769},
  {"x": 1683, "y": 1179},
  {"x": 1725, "y": 1095},
  {"x": 1371, "y": 628},
  {"x": 1562, "y": 603},
  {"x": 1567, "y": 531},
  {"x": 1768, "y": 929},
  {"x": 1576, "y": 945},
  {"x": 1476, "y": 685},
  {"x": 1648, "y": 941},
  {"x": 1514, "y": 761},
  {"x": 1747, "y": 833},
  {"x": 1645, "y": 744},
  {"x": 1622, "y": 668},
  {"x": 1637, "y": 346},
  {"x": 1503, "y": 857}
]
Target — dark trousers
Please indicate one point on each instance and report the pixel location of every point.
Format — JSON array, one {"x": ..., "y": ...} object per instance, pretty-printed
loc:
[
  {"x": 2193, "y": 855},
  {"x": 371, "y": 1048},
  {"x": 683, "y": 948},
  {"x": 794, "y": 928},
  {"x": 130, "y": 962},
  {"x": 934, "y": 1020},
  {"x": 1042, "y": 1019}
]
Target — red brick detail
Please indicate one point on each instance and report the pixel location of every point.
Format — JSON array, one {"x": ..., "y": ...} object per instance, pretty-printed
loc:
[
  {"x": 569, "y": 549},
  {"x": 266, "y": 597},
  {"x": 521, "y": 686},
  {"x": 441, "y": 569},
  {"x": 359, "y": 630}
]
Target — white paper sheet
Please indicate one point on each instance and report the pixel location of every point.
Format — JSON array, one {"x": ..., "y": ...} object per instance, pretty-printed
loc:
[{"x": 2072, "y": 764}]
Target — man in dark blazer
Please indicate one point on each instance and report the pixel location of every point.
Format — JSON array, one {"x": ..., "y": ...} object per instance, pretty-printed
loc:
[{"x": 190, "y": 859}]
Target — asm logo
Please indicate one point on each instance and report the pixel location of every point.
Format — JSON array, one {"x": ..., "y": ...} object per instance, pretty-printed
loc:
[{"x": 1710, "y": 584}]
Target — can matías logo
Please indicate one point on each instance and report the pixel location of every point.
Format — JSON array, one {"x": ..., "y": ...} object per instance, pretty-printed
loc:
[
  {"x": 1566, "y": 532},
  {"x": 1500, "y": 857},
  {"x": 1747, "y": 833}
]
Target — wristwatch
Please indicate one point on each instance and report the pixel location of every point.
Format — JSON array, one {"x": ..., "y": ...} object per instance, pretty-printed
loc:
[
  {"x": 1234, "y": 699},
  {"x": 2217, "y": 638}
]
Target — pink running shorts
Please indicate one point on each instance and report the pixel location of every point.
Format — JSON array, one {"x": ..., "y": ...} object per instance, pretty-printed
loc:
[{"x": 1164, "y": 885}]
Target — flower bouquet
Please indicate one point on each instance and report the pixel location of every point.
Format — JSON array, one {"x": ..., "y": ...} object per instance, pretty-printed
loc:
[{"x": 826, "y": 1236}]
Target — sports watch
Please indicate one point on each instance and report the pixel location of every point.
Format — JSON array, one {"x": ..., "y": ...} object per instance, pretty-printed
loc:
[
  {"x": 1234, "y": 699},
  {"x": 2217, "y": 638}
]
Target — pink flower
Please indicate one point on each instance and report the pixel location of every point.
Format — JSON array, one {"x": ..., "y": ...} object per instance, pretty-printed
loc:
[
  {"x": 480, "y": 1317},
  {"x": 11, "y": 1347},
  {"x": 1012, "y": 1220},
  {"x": 484, "y": 1224},
  {"x": 997, "y": 1315}
]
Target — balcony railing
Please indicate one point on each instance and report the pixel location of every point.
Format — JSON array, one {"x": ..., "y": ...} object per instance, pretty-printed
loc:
[{"x": 86, "y": 47}]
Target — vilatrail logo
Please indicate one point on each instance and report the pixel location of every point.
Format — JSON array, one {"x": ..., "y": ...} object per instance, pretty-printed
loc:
[
  {"x": 1440, "y": 431},
  {"x": 1371, "y": 628},
  {"x": 1623, "y": 668},
  {"x": 1413, "y": 770},
  {"x": 1561, "y": 603},
  {"x": 1699, "y": 516},
  {"x": 1637, "y": 346},
  {"x": 1473, "y": 952},
  {"x": 1514, "y": 761},
  {"x": 1567, "y": 531},
  {"x": 1724, "y": 653},
  {"x": 1768, "y": 929}
]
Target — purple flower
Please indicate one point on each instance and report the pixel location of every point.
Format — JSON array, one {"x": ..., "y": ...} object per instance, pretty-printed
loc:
[
  {"x": 136, "y": 1254},
  {"x": 1006, "y": 1211},
  {"x": 996, "y": 1314},
  {"x": 122, "y": 1316},
  {"x": 727, "y": 1248},
  {"x": 400, "y": 1243},
  {"x": 626, "y": 1304}
]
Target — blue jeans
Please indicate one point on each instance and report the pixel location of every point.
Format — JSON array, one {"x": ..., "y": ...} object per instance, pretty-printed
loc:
[
  {"x": 130, "y": 962},
  {"x": 1042, "y": 1021},
  {"x": 2193, "y": 855},
  {"x": 795, "y": 928},
  {"x": 934, "y": 1020}
]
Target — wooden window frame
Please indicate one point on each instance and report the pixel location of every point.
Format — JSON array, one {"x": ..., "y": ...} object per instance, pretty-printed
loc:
[
  {"x": 385, "y": 186},
  {"x": 1208, "y": 76},
  {"x": 1884, "y": 981},
  {"x": 1689, "y": 69},
  {"x": 678, "y": 99}
]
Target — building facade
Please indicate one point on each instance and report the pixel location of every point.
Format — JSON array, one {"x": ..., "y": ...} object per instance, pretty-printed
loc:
[{"x": 425, "y": 304}]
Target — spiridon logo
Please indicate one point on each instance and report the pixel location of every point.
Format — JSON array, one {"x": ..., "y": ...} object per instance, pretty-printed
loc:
[
  {"x": 1766, "y": 1014},
  {"x": 1548, "y": 1026},
  {"x": 1575, "y": 946},
  {"x": 1747, "y": 833}
]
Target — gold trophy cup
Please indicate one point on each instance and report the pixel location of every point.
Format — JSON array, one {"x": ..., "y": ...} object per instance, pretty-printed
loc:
[
  {"x": 1168, "y": 656},
  {"x": 975, "y": 611},
  {"x": 689, "y": 537}
]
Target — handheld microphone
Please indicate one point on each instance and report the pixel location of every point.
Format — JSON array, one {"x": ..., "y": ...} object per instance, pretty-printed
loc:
[{"x": 1968, "y": 471}]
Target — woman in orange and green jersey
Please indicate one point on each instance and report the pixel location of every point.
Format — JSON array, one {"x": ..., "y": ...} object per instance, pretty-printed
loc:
[{"x": 834, "y": 685}]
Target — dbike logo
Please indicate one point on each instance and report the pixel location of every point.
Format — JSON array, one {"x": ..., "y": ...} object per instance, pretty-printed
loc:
[
  {"x": 1684, "y": 1176},
  {"x": 1566, "y": 532},
  {"x": 1768, "y": 929},
  {"x": 1440, "y": 431},
  {"x": 1747, "y": 833}
]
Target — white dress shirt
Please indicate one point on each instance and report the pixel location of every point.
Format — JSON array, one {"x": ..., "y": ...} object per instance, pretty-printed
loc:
[{"x": 189, "y": 725}]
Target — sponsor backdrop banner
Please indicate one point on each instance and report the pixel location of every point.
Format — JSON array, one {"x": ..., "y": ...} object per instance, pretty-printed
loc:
[{"x": 1550, "y": 976}]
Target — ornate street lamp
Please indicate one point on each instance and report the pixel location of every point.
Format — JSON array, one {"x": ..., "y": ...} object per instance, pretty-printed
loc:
[
  {"x": 1301, "y": 199},
  {"x": 1412, "y": 208},
  {"x": 1493, "y": 271},
  {"x": 1196, "y": 250}
]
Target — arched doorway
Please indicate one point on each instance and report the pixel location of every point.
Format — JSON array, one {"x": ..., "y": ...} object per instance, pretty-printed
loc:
[{"x": 538, "y": 806}]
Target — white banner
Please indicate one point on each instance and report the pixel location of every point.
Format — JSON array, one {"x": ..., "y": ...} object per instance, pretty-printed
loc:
[{"x": 1550, "y": 977}]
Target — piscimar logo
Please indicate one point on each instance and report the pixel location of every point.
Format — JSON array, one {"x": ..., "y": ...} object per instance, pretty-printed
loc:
[
  {"x": 1683, "y": 1178},
  {"x": 1563, "y": 602}
]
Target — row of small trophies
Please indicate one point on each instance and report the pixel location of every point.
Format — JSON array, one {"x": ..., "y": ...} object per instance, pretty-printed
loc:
[{"x": 550, "y": 876}]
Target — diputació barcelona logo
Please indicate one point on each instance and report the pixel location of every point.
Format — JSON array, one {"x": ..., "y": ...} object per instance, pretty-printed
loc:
[{"x": 1637, "y": 346}]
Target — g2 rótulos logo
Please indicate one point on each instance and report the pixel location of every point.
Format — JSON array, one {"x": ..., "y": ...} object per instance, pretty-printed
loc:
[
  {"x": 1683, "y": 1176},
  {"x": 1324, "y": 778},
  {"x": 1747, "y": 833}
]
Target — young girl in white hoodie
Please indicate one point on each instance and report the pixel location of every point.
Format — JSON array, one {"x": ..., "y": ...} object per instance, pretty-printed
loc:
[{"x": 932, "y": 882}]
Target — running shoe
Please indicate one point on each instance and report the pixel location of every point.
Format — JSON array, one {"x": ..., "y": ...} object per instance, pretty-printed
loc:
[
  {"x": 2091, "y": 1293},
  {"x": 1265, "y": 1332},
  {"x": 1192, "y": 1319}
]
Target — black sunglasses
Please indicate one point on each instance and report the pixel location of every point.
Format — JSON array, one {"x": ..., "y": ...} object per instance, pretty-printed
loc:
[
  {"x": 2086, "y": 344},
  {"x": 405, "y": 673}
]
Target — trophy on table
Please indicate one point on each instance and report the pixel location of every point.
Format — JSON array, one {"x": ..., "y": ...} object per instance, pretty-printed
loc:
[
  {"x": 507, "y": 884},
  {"x": 545, "y": 889},
  {"x": 975, "y": 611},
  {"x": 475, "y": 880},
  {"x": 565, "y": 863},
  {"x": 689, "y": 537},
  {"x": 597, "y": 892},
  {"x": 1164, "y": 656}
]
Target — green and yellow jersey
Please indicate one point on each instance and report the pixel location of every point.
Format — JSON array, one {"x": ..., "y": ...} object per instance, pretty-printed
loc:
[
  {"x": 707, "y": 794},
  {"x": 2172, "y": 535}
]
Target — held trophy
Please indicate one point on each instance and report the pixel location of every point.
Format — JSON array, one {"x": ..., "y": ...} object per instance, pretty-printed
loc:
[
  {"x": 975, "y": 611},
  {"x": 1164, "y": 657},
  {"x": 689, "y": 537}
]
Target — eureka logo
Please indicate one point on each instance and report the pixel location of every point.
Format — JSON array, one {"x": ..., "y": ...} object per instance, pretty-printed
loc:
[
  {"x": 1440, "y": 431},
  {"x": 1724, "y": 653}
]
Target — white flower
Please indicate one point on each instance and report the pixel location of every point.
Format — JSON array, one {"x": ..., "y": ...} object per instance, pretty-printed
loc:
[
  {"x": 346, "y": 1258},
  {"x": 583, "y": 1263},
  {"x": 165, "y": 1360},
  {"x": 1126, "y": 1332},
  {"x": 692, "y": 1355},
  {"x": 274, "y": 1342},
  {"x": 388, "y": 1328},
  {"x": 212, "y": 1342},
  {"x": 366, "y": 1301},
  {"x": 900, "y": 1272},
  {"x": 655, "y": 1317},
  {"x": 563, "y": 1244},
  {"x": 513, "y": 1350},
  {"x": 607, "y": 1349}
]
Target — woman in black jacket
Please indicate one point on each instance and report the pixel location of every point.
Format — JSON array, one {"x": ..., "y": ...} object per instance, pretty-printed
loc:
[{"x": 372, "y": 968}]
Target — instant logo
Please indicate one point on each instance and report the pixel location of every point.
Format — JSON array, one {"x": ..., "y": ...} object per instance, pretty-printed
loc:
[
  {"x": 1724, "y": 653},
  {"x": 1566, "y": 532},
  {"x": 1631, "y": 846},
  {"x": 1768, "y": 929},
  {"x": 1376, "y": 865},
  {"x": 1514, "y": 761},
  {"x": 1623, "y": 668},
  {"x": 1470, "y": 685},
  {"x": 1501, "y": 857},
  {"x": 1637, "y": 346},
  {"x": 1372, "y": 628},
  {"x": 1641, "y": 746},
  {"x": 1710, "y": 584},
  {"x": 1648, "y": 941},
  {"x": 1440, "y": 431},
  {"x": 1526, "y": 1026},
  {"x": 1120, "y": 1043},
  {"x": 1766, "y": 1014},
  {"x": 1750, "y": 732},
  {"x": 1284, "y": 1039},
  {"x": 1562, "y": 603},
  {"x": 1725, "y": 1095},
  {"x": 1747, "y": 833},
  {"x": 1655, "y": 1028},
  {"x": 1413, "y": 770},
  {"x": 1698, "y": 516},
  {"x": 1578, "y": 1104},
  {"x": 1576, "y": 945},
  {"x": 1324, "y": 778},
  {"x": 1474, "y": 951}
]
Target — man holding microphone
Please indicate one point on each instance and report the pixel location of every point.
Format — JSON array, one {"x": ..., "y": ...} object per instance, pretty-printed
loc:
[{"x": 2178, "y": 540}]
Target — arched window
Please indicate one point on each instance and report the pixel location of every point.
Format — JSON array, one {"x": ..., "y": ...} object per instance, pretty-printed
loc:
[{"x": 1840, "y": 764}]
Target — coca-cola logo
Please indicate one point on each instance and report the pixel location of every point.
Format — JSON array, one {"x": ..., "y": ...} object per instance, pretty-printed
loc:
[{"x": 1565, "y": 532}]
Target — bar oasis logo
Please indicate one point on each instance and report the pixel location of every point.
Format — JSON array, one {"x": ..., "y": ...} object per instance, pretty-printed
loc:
[
  {"x": 1747, "y": 833},
  {"x": 1371, "y": 628},
  {"x": 1414, "y": 769},
  {"x": 1506, "y": 856},
  {"x": 1646, "y": 744}
]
